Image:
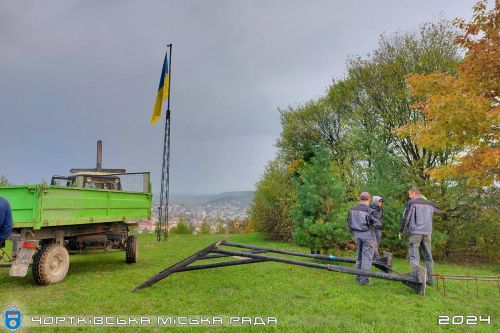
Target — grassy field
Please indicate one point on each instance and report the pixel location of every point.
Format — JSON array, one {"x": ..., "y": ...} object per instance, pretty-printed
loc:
[{"x": 302, "y": 299}]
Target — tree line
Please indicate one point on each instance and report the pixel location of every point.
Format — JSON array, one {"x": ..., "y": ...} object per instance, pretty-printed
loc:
[{"x": 420, "y": 110}]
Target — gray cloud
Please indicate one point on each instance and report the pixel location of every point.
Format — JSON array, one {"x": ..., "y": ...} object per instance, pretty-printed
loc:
[{"x": 73, "y": 72}]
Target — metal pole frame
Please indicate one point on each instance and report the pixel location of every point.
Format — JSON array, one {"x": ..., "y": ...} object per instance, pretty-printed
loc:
[
  {"x": 384, "y": 263},
  {"x": 415, "y": 279}
]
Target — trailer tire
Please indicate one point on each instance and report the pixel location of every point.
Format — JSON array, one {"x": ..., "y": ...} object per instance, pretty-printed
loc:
[
  {"x": 50, "y": 264},
  {"x": 132, "y": 250}
]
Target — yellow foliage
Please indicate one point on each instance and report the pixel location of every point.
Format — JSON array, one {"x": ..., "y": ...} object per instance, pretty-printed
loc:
[{"x": 463, "y": 112}]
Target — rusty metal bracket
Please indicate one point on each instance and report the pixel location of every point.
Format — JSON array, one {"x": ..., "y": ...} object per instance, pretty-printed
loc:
[{"x": 476, "y": 279}]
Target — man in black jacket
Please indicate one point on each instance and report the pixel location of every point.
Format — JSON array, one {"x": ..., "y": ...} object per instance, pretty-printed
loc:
[
  {"x": 361, "y": 224},
  {"x": 378, "y": 211},
  {"x": 417, "y": 223}
]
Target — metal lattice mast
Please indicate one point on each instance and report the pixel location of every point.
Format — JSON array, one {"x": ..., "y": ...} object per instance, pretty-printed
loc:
[{"x": 162, "y": 230}]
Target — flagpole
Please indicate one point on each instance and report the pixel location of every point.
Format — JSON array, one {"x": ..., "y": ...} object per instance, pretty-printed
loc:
[
  {"x": 162, "y": 233},
  {"x": 169, "y": 76},
  {"x": 168, "y": 150}
]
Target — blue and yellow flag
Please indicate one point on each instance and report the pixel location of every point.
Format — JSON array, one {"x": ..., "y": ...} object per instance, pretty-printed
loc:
[{"x": 162, "y": 93}]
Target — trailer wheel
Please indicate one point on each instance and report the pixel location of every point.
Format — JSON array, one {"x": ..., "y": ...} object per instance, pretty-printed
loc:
[
  {"x": 132, "y": 250},
  {"x": 50, "y": 264}
]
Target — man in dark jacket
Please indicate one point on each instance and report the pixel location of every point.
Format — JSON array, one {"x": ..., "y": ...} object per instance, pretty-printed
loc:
[
  {"x": 378, "y": 211},
  {"x": 5, "y": 221},
  {"x": 361, "y": 225},
  {"x": 417, "y": 223}
]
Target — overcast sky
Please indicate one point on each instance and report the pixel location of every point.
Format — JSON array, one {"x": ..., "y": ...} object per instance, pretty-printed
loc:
[{"x": 73, "y": 72}]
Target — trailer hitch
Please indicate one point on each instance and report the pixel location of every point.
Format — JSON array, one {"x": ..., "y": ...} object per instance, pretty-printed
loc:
[{"x": 415, "y": 279}]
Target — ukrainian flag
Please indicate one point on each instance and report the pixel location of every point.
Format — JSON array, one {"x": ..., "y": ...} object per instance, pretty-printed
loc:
[{"x": 162, "y": 93}]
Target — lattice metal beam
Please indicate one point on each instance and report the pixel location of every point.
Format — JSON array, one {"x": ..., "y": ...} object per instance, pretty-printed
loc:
[{"x": 162, "y": 226}]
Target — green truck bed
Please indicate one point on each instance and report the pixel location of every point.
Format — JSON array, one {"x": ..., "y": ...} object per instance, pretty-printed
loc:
[{"x": 38, "y": 206}]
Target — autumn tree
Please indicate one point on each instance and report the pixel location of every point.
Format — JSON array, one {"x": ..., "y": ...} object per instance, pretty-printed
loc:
[
  {"x": 462, "y": 112},
  {"x": 324, "y": 121},
  {"x": 309, "y": 124},
  {"x": 381, "y": 101},
  {"x": 361, "y": 121},
  {"x": 270, "y": 209}
]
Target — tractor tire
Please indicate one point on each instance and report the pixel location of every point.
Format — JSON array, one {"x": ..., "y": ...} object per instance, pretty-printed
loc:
[
  {"x": 50, "y": 264},
  {"x": 131, "y": 251}
]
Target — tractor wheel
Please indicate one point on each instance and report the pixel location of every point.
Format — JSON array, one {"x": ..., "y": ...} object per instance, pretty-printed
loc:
[
  {"x": 50, "y": 264},
  {"x": 131, "y": 250}
]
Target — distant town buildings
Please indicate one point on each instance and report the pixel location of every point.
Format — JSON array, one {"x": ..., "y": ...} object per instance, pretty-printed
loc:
[{"x": 196, "y": 214}]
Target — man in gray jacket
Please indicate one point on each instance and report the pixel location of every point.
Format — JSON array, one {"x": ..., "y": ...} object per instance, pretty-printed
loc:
[
  {"x": 361, "y": 224},
  {"x": 417, "y": 223}
]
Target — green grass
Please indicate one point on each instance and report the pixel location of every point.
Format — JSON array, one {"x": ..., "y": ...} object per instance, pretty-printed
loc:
[{"x": 303, "y": 299}]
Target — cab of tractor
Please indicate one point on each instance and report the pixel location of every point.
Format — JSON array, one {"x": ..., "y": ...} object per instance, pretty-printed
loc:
[{"x": 94, "y": 180}]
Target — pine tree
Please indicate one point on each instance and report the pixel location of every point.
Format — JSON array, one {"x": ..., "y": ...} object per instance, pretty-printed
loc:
[{"x": 319, "y": 213}]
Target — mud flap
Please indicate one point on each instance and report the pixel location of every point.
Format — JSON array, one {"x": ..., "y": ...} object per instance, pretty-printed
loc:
[{"x": 20, "y": 265}]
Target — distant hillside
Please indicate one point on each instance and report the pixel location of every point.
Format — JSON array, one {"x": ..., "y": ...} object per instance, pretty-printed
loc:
[
  {"x": 189, "y": 198},
  {"x": 241, "y": 199}
]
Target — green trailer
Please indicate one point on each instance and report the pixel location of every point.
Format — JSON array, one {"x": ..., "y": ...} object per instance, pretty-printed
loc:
[{"x": 85, "y": 212}]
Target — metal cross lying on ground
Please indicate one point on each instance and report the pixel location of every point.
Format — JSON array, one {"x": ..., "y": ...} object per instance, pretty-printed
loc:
[{"x": 415, "y": 280}]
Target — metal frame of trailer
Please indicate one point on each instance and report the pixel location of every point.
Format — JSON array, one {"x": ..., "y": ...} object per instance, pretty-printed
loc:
[
  {"x": 91, "y": 210},
  {"x": 416, "y": 279}
]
